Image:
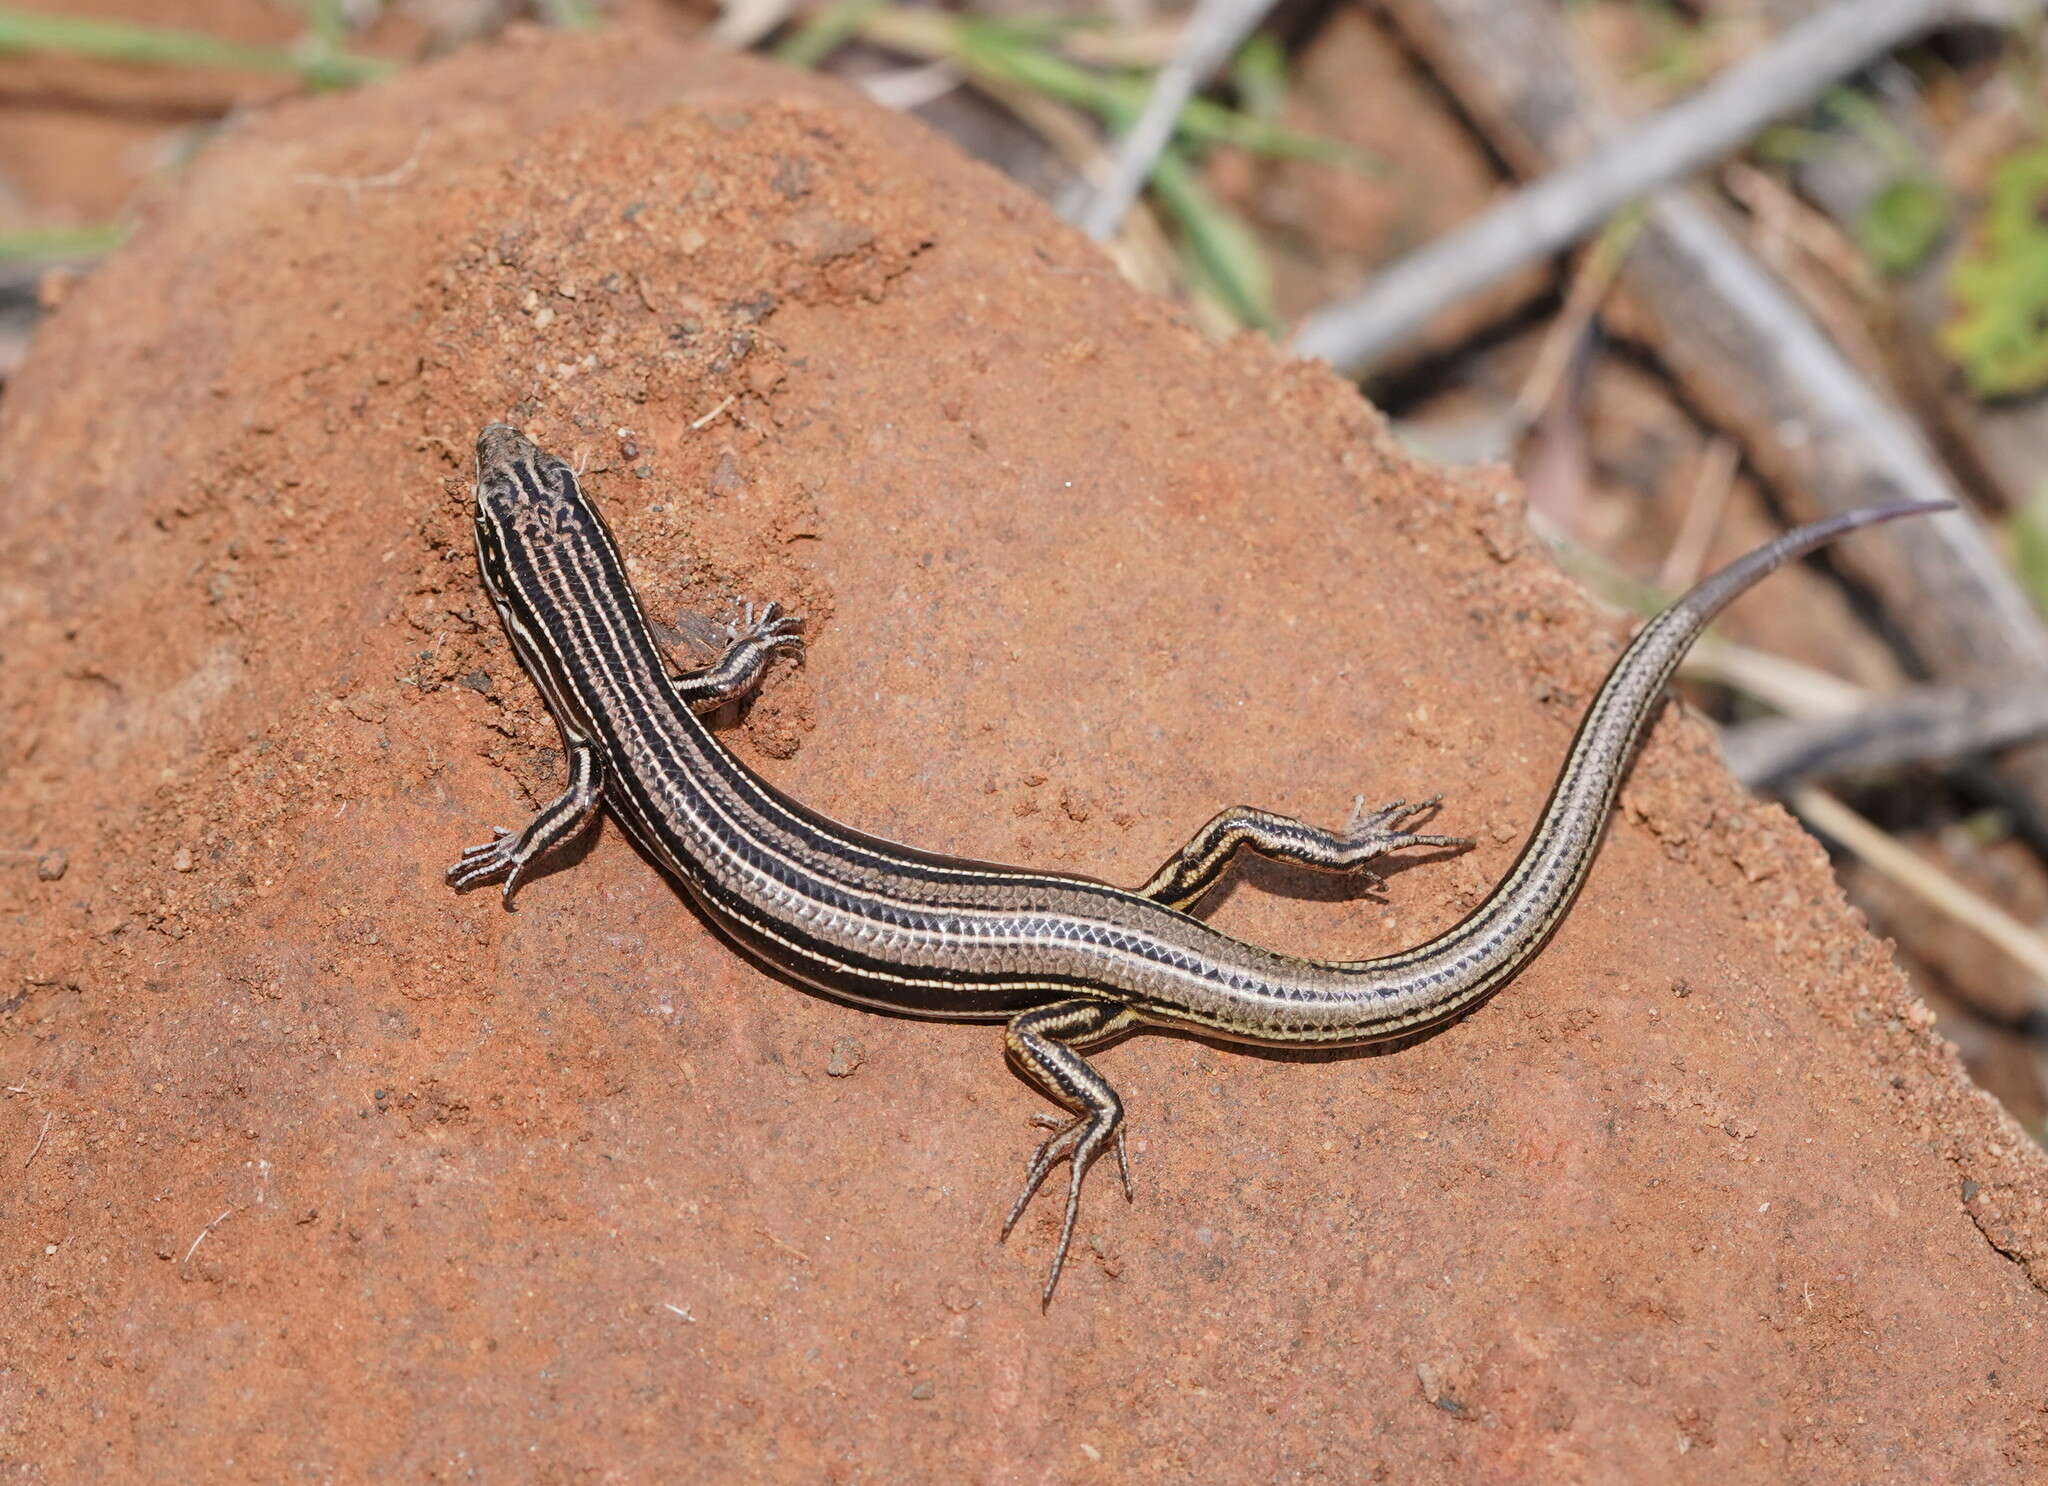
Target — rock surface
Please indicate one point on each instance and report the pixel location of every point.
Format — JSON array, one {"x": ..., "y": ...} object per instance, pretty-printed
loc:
[{"x": 317, "y": 1170}]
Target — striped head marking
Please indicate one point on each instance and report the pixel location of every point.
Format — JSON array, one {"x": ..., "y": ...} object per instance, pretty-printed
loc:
[
  {"x": 529, "y": 509},
  {"x": 519, "y": 485},
  {"x": 526, "y": 499}
]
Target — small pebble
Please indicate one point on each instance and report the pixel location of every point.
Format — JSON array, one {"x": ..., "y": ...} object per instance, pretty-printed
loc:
[{"x": 52, "y": 866}]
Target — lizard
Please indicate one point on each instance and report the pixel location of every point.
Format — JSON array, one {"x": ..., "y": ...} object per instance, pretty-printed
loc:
[{"x": 1064, "y": 962}]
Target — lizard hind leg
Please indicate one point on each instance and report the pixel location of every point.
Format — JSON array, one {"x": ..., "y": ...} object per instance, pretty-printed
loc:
[
  {"x": 1043, "y": 1042},
  {"x": 1192, "y": 871}
]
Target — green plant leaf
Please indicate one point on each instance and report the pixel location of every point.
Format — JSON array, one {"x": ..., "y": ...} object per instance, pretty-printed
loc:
[
  {"x": 1902, "y": 224},
  {"x": 2027, "y": 528},
  {"x": 1259, "y": 73},
  {"x": 62, "y": 242},
  {"x": 118, "y": 41},
  {"x": 571, "y": 15},
  {"x": 1999, "y": 333},
  {"x": 825, "y": 32},
  {"x": 999, "y": 52},
  {"x": 1223, "y": 253}
]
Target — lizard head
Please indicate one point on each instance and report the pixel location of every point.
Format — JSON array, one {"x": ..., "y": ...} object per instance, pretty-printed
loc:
[{"x": 513, "y": 472}]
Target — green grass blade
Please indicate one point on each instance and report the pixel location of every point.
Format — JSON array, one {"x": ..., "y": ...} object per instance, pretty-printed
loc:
[
  {"x": 1116, "y": 98},
  {"x": 2028, "y": 530},
  {"x": 571, "y": 15},
  {"x": 824, "y": 33},
  {"x": 118, "y": 41},
  {"x": 62, "y": 242},
  {"x": 327, "y": 22},
  {"x": 1223, "y": 251},
  {"x": 1259, "y": 73}
]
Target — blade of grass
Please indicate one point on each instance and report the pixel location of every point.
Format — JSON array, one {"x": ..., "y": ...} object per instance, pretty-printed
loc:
[
  {"x": 62, "y": 242},
  {"x": 1259, "y": 73},
  {"x": 1224, "y": 253},
  {"x": 1937, "y": 889},
  {"x": 1012, "y": 54},
  {"x": 1223, "y": 250},
  {"x": 326, "y": 21},
  {"x": 118, "y": 41},
  {"x": 988, "y": 46},
  {"x": 571, "y": 15},
  {"x": 825, "y": 32}
]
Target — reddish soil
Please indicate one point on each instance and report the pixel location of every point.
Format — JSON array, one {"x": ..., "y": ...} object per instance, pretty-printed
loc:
[{"x": 318, "y": 1170}]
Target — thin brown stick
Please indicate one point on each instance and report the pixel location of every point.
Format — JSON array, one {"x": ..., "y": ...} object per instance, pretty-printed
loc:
[
  {"x": 1829, "y": 726},
  {"x": 1923, "y": 725},
  {"x": 1140, "y": 248},
  {"x": 1711, "y": 487},
  {"x": 41, "y": 1136},
  {"x": 1932, "y": 886},
  {"x": 1793, "y": 688},
  {"x": 226, "y": 1213},
  {"x": 1592, "y": 281},
  {"x": 743, "y": 23}
]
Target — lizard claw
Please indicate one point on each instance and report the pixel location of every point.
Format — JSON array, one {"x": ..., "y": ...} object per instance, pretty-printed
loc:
[
  {"x": 767, "y": 624},
  {"x": 1377, "y": 828},
  {"x": 1079, "y": 1140}
]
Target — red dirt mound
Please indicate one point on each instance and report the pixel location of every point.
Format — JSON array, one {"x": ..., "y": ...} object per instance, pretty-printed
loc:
[{"x": 316, "y": 1169}]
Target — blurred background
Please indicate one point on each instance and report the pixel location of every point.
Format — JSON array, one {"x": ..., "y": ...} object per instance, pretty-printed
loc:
[{"x": 1694, "y": 271}]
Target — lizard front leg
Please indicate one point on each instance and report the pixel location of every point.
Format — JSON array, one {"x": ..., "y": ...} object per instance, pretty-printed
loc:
[
  {"x": 753, "y": 641},
  {"x": 511, "y": 853}
]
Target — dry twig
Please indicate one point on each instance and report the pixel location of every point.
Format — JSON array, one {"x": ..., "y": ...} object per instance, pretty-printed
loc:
[
  {"x": 1829, "y": 726},
  {"x": 1789, "y": 686},
  {"x": 1923, "y": 725},
  {"x": 1213, "y": 32},
  {"x": 1142, "y": 251},
  {"x": 1564, "y": 206},
  {"x": 743, "y": 23},
  {"x": 1712, "y": 485},
  {"x": 1592, "y": 281},
  {"x": 41, "y": 1136},
  {"x": 1829, "y": 816},
  {"x": 225, "y": 1214}
]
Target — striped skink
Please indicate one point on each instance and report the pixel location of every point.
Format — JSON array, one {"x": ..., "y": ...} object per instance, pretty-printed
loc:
[{"x": 1065, "y": 962}]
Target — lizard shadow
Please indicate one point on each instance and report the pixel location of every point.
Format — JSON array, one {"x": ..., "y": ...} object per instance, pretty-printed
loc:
[
  {"x": 1282, "y": 879},
  {"x": 1305, "y": 884}
]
